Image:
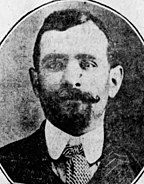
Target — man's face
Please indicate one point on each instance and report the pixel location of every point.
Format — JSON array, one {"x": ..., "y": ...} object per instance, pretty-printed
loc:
[{"x": 73, "y": 77}]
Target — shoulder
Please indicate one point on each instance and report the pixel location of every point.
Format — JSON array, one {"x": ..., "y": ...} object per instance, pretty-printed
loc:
[
  {"x": 17, "y": 149},
  {"x": 118, "y": 164},
  {"x": 25, "y": 148},
  {"x": 19, "y": 158}
]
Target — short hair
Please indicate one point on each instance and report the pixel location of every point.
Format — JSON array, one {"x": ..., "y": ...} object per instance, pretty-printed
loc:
[{"x": 63, "y": 20}]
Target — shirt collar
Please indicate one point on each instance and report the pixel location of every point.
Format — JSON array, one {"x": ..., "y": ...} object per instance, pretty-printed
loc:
[{"x": 57, "y": 140}]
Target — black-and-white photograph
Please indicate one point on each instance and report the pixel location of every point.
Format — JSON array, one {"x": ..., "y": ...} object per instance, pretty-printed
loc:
[{"x": 72, "y": 96}]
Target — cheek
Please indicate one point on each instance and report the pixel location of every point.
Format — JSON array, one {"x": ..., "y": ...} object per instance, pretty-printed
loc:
[
  {"x": 50, "y": 81},
  {"x": 96, "y": 83}
]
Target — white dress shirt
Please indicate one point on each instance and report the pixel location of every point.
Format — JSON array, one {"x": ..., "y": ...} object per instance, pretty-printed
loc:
[{"x": 57, "y": 140}]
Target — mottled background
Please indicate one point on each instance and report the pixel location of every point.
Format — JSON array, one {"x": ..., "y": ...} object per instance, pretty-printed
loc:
[{"x": 20, "y": 111}]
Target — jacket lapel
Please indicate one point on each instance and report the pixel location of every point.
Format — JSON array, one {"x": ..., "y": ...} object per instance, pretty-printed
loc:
[
  {"x": 114, "y": 168},
  {"x": 41, "y": 171},
  {"x": 27, "y": 161}
]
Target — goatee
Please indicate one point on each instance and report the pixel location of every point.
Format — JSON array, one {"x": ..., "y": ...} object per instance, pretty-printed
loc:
[{"x": 67, "y": 108}]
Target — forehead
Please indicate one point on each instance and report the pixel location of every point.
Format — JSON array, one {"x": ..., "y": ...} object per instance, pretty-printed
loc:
[{"x": 86, "y": 38}]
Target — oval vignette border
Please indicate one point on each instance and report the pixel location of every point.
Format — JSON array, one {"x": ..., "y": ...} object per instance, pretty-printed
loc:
[{"x": 92, "y": 1}]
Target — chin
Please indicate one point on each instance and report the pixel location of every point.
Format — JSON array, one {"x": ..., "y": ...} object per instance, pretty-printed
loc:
[
  {"x": 76, "y": 133},
  {"x": 72, "y": 117}
]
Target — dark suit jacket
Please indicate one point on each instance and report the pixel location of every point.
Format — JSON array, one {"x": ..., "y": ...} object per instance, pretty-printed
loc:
[{"x": 27, "y": 161}]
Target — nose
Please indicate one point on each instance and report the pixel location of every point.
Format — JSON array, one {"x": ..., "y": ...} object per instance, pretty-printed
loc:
[{"x": 73, "y": 73}]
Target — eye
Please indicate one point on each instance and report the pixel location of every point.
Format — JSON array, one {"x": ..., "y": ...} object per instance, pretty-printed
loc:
[
  {"x": 86, "y": 64},
  {"x": 56, "y": 64}
]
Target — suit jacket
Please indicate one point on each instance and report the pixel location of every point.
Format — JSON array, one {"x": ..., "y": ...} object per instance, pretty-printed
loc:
[{"x": 27, "y": 161}]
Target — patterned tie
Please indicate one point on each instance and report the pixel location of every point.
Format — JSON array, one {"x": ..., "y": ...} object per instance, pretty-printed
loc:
[{"x": 77, "y": 168}]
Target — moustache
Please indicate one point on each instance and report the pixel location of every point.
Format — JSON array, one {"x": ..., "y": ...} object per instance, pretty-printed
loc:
[{"x": 76, "y": 94}]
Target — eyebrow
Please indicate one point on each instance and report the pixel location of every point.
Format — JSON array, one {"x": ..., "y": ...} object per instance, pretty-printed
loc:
[
  {"x": 80, "y": 56},
  {"x": 85, "y": 56},
  {"x": 53, "y": 56}
]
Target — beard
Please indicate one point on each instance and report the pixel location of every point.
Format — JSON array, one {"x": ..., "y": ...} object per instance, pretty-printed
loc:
[{"x": 68, "y": 109}]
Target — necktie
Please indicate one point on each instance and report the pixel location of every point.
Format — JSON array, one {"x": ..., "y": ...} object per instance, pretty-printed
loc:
[{"x": 77, "y": 168}]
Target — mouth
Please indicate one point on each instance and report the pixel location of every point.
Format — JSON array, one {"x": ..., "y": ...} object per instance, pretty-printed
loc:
[
  {"x": 75, "y": 95},
  {"x": 73, "y": 101},
  {"x": 83, "y": 100}
]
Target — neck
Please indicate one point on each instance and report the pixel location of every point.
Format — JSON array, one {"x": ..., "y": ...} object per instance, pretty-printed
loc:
[{"x": 95, "y": 123}]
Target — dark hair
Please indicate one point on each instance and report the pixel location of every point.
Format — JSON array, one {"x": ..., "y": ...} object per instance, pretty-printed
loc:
[{"x": 63, "y": 20}]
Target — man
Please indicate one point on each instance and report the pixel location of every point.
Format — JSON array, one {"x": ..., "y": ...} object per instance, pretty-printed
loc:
[{"x": 73, "y": 76}]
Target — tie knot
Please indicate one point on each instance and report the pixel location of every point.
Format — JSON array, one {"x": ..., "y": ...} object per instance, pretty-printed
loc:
[{"x": 71, "y": 151}]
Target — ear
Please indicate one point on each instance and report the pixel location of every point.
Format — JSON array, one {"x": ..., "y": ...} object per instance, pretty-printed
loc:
[
  {"x": 115, "y": 80},
  {"x": 34, "y": 80}
]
